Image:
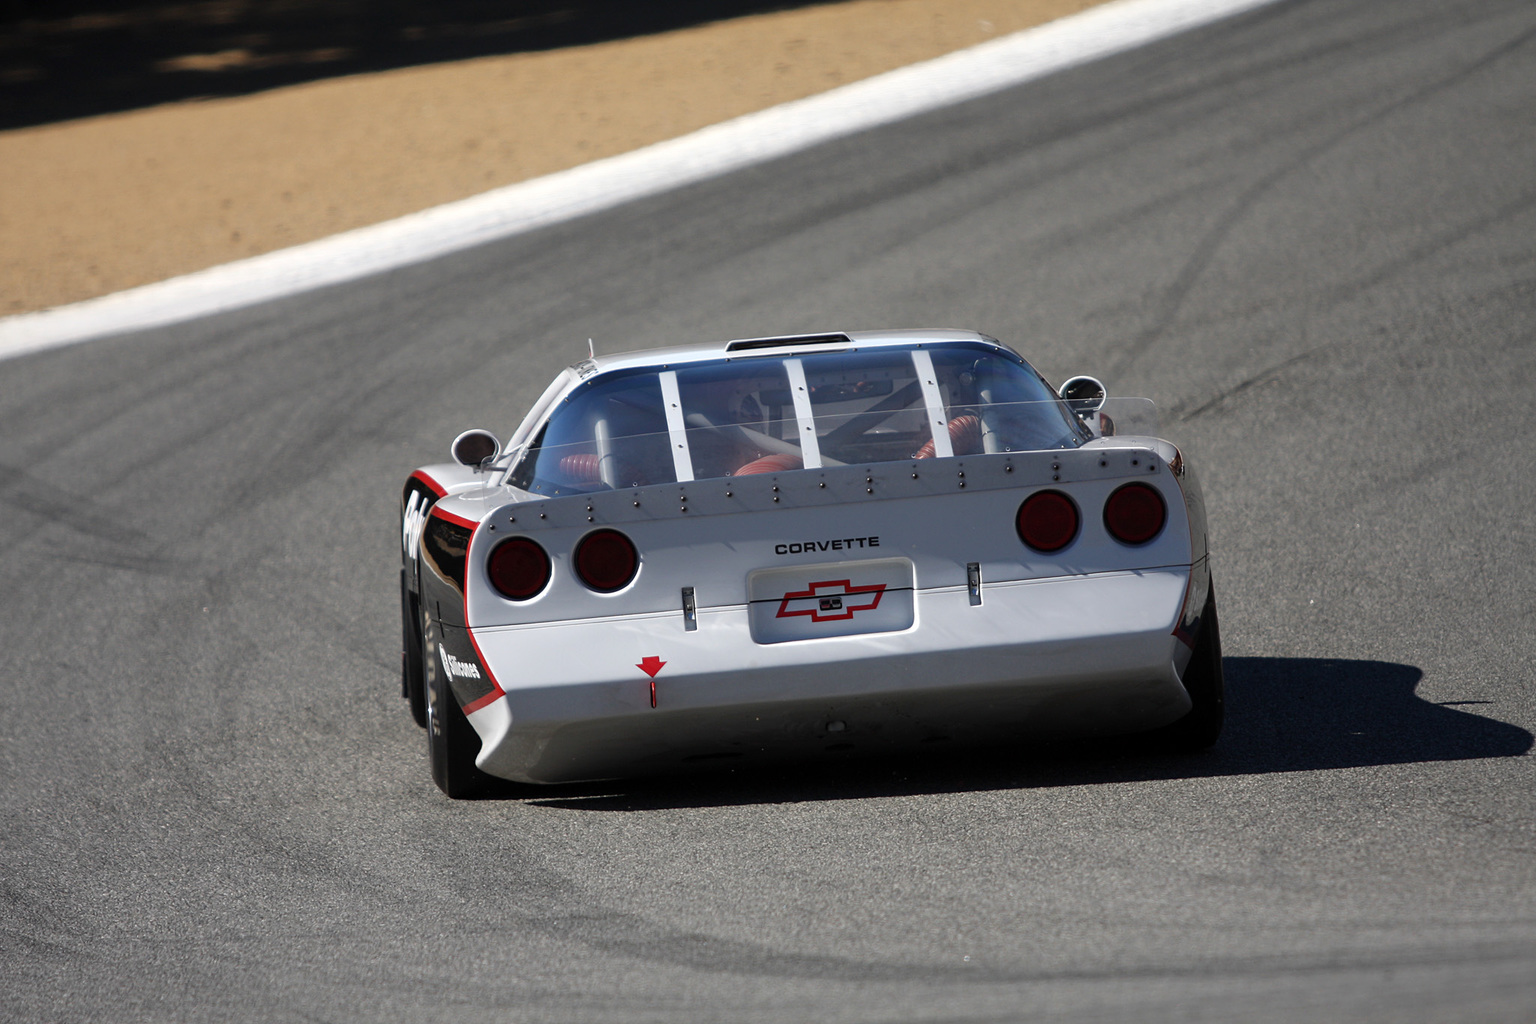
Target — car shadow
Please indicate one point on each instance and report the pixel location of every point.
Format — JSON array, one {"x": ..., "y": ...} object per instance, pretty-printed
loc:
[
  {"x": 62, "y": 59},
  {"x": 1283, "y": 715}
]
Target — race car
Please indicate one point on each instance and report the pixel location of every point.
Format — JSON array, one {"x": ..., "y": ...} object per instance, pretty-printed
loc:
[{"x": 791, "y": 547}]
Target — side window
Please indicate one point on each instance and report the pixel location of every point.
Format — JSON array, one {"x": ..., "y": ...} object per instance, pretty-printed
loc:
[
  {"x": 608, "y": 433},
  {"x": 994, "y": 404}
]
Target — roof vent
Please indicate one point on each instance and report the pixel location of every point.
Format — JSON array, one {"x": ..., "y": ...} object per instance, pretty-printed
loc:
[{"x": 799, "y": 339}]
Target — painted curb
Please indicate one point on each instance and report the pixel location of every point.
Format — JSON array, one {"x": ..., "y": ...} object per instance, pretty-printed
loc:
[{"x": 719, "y": 149}]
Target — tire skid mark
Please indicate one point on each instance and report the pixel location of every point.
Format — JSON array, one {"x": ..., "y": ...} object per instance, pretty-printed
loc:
[
  {"x": 1200, "y": 260},
  {"x": 1242, "y": 386}
]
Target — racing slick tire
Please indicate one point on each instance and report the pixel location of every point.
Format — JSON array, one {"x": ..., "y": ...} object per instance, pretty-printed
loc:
[
  {"x": 412, "y": 686},
  {"x": 452, "y": 742},
  {"x": 1200, "y": 728}
]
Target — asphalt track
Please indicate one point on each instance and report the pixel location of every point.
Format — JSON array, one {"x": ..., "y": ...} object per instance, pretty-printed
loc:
[{"x": 1309, "y": 233}]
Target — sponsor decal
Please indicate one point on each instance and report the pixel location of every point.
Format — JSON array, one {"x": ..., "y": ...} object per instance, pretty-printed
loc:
[
  {"x": 831, "y": 601},
  {"x": 796, "y": 547},
  {"x": 455, "y": 668}
]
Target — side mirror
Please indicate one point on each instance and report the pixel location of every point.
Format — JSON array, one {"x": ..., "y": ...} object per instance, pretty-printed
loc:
[
  {"x": 1083, "y": 395},
  {"x": 475, "y": 448}
]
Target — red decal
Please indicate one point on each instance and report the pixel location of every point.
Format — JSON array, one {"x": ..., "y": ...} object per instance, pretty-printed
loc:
[
  {"x": 496, "y": 690},
  {"x": 432, "y": 485},
  {"x": 442, "y": 513},
  {"x": 650, "y": 665},
  {"x": 490, "y": 698},
  {"x": 828, "y": 601}
]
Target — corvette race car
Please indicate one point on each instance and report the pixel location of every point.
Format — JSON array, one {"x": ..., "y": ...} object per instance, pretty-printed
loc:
[{"x": 779, "y": 547}]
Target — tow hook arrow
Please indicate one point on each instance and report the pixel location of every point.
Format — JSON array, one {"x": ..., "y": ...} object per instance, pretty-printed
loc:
[{"x": 651, "y": 665}]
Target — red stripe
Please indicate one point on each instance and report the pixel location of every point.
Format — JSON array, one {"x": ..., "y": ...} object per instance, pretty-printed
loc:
[
  {"x": 476, "y": 705},
  {"x": 496, "y": 690},
  {"x": 436, "y": 488},
  {"x": 450, "y": 517}
]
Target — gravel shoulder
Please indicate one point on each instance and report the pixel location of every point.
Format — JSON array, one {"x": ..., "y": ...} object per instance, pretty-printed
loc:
[{"x": 101, "y": 204}]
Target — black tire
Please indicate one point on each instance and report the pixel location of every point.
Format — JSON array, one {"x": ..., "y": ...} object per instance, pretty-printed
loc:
[
  {"x": 412, "y": 686},
  {"x": 1200, "y": 728},
  {"x": 452, "y": 742}
]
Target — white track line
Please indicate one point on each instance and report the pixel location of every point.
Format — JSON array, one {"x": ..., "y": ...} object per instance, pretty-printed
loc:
[{"x": 731, "y": 145}]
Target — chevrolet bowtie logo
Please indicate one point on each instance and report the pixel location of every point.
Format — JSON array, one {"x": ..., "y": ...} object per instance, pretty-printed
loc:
[{"x": 831, "y": 601}]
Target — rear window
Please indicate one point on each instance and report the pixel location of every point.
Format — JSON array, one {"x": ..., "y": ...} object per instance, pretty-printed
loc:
[{"x": 742, "y": 416}]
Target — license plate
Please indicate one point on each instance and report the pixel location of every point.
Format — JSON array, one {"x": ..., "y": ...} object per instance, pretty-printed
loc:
[{"x": 806, "y": 602}]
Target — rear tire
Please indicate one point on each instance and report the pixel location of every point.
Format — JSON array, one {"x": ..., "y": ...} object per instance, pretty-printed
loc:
[
  {"x": 1203, "y": 679},
  {"x": 412, "y": 686},
  {"x": 452, "y": 742}
]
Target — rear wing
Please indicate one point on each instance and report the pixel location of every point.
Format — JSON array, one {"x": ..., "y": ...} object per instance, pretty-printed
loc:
[{"x": 943, "y": 515}]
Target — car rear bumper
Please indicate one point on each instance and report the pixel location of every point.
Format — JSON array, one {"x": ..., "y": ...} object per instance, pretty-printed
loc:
[{"x": 1079, "y": 655}]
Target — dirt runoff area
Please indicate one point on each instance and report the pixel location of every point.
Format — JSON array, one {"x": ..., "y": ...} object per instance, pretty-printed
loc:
[{"x": 101, "y": 204}]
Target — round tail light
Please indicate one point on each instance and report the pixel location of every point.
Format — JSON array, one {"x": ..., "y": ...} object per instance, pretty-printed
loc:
[
  {"x": 606, "y": 560},
  {"x": 1135, "y": 514},
  {"x": 1047, "y": 521},
  {"x": 518, "y": 568}
]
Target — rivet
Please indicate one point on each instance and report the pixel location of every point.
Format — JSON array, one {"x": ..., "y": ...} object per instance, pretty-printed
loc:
[
  {"x": 637, "y": 504},
  {"x": 1008, "y": 468},
  {"x": 511, "y": 519},
  {"x": 682, "y": 508},
  {"x": 962, "y": 474},
  {"x": 1135, "y": 462},
  {"x": 1055, "y": 476},
  {"x": 914, "y": 476},
  {"x": 492, "y": 527},
  {"x": 1055, "y": 465},
  {"x": 589, "y": 508},
  {"x": 728, "y": 494},
  {"x": 543, "y": 516},
  {"x": 1103, "y": 462},
  {"x": 962, "y": 484},
  {"x": 822, "y": 484},
  {"x": 590, "y": 519},
  {"x": 775, "y": 497},
  {"x": 869, "y": 490},
  {"x": 775, "y": 488}
]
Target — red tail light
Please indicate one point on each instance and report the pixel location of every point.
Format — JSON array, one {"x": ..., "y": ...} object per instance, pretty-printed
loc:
[
  {"x": 518, "y": 568},
  {"x": 606, "y": 560},
  {"x": 1135, "y": 514},
  {"x": 1047, "y": 521}
]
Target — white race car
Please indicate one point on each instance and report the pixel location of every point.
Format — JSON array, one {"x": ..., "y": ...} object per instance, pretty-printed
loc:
[{"x": 788, "y": 546}]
